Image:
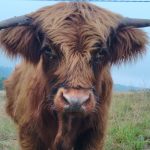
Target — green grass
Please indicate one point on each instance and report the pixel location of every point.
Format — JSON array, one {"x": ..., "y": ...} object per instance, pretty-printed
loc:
[
  {"x": 7, "y": 128},
  {"x": 129, "y": 123}
]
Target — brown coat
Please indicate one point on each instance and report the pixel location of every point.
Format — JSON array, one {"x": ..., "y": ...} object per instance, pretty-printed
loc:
[{"x": 71, "y": 44}]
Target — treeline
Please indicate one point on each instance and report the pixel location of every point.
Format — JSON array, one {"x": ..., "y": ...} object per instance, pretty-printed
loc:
[{"x": 1, "y": 83}]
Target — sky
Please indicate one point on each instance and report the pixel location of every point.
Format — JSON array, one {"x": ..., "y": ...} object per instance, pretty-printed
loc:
[{"x": 135, "y": 74}]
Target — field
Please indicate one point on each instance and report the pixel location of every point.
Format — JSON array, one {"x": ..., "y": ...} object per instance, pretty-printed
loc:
[{"x": 129, "y": 123}]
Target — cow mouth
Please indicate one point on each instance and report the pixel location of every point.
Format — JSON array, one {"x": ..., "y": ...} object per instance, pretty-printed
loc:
[
  {"x": 74, "y": 109},
  {"x": 74, "y": 102}
]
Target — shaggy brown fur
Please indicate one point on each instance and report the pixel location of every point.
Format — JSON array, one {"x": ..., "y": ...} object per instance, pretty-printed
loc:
[{"x": 69, "y": 46}]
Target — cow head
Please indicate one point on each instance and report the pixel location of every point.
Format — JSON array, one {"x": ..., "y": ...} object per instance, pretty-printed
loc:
[{"x": 77, "y": 44}]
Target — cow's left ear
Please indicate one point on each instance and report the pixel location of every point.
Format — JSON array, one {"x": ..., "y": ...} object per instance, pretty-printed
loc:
[
  {"x": 126, "y": 44},
  {"x": 126, "y": 41}
]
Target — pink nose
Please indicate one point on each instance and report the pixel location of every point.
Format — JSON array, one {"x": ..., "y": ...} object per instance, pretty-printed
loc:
[
  {"x": 74, "y": 100},
  {"x": 75, "y": 97}
]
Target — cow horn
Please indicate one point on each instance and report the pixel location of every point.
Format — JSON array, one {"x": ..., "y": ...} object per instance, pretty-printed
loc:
[
  {"x": 137, "y": 23},
  {"x": 16, "y": 21}
]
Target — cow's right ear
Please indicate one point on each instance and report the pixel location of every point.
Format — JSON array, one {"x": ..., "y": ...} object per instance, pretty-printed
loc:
[{"x": 22, "y": 40}]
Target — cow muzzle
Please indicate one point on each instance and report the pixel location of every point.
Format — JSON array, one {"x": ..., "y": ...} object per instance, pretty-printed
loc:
[{"x": 74, "y": 101}]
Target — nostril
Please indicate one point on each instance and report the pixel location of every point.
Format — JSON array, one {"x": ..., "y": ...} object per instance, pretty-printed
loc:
[
  {"x": 86, "y": 102},
  {"x": 65, "y": 100}
]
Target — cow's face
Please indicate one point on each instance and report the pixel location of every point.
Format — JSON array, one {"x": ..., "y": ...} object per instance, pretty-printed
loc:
[{"x": 77, "y": 43}]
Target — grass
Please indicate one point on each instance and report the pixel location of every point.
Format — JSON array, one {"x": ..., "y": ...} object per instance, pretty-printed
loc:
[
  {"x": 129, "y": 123},
  {"x": 7, "y": 128}
]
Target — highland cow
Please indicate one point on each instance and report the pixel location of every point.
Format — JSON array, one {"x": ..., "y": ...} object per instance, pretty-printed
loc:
[{"x": 59, "y": 96}]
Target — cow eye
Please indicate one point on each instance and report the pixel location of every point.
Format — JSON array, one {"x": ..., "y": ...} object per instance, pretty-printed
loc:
[
  {"x": 49, "y": 52},
  {"x": 100, "y": 55}
]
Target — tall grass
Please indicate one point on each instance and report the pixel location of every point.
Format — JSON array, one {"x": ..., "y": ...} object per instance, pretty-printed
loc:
[{"x": 129, "y": 123}]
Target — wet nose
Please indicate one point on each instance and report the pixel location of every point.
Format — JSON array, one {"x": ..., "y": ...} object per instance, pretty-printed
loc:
[
  {"x": 75, "y": 100},
  {"x": 72, "y": 100}
]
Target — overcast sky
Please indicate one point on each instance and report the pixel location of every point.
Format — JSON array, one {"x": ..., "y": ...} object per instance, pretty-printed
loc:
[{"x": 135, "y": 74}]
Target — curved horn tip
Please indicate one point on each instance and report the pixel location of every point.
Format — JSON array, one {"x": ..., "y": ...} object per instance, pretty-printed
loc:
[
  {"x": 16, "y": 21},
  {"x": 132, "y": 22}
]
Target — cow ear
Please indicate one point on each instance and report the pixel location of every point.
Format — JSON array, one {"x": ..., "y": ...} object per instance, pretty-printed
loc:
[
  {"x": 127, "y": 44},
  {"x": 21, "y": 40}
]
